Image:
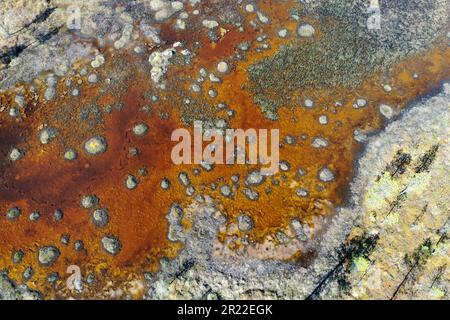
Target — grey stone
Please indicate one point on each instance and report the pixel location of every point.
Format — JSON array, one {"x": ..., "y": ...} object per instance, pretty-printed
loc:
[
  {"x": 226, "y": 191},
  {"x": 255, "y": 178},
  {"x": 58, "y": 215},
  {"x": 184, "y": 178},
  {"x": 326, "y": 175},
  {"x": 165, "y": 184},
  {"x": 306, "y": 30},
  {"x": 13, "y": 213},
  {"x": 245, "y": 222},
  {"x": 251, "y": 194},
  {"x": 302, "y": 192},
  {"x": 78, "y": 245},
  {"x": 95, "y": 145},
  {"x": 16, "y": 154},
  {"x": 131, "y": 182},
  {"x": 90, "y": 201},
  {"x": 140, "y": 129},
  {"x": 47, "y": 134},
  {"x": 28, "y": 273},
  {"x": 35, "y": 215},
  {"x": 70, "y": 154},
  {"x": 17, "y": 256}
]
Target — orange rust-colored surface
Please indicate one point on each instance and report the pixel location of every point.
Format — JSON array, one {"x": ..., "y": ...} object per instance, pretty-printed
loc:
[{"x": 44, "y": 181}]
